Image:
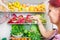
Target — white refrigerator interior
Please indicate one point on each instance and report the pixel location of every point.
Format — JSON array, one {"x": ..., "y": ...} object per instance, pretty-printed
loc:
[{"x": 5, "y": 28}]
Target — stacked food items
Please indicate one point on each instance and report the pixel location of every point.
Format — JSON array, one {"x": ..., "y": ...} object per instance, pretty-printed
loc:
[
  {"x": 12, "y": 38},
  {"x": 21, "y": 31},
  {"x": 24, "y": 32},
  {"x": 18, "y": 7},
  {"x": 21, "y": 19}
]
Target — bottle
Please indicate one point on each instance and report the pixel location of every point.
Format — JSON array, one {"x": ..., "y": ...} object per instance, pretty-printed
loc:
[{"x": 4, "y": 38}]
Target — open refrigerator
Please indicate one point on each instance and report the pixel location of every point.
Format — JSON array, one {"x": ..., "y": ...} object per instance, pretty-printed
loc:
[{"x": 16, "y": 23}]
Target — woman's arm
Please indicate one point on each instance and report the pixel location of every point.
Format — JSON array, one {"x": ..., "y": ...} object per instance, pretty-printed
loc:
[{"x": 45, "y": 33}]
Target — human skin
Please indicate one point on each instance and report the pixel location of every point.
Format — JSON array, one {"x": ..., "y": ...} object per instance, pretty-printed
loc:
[{"x": 54, "y": 15}]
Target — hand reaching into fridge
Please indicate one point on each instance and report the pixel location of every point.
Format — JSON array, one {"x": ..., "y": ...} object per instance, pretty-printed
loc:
[
  {"x": 37, "y": 18},
  {"x": 42, "y": 29}
]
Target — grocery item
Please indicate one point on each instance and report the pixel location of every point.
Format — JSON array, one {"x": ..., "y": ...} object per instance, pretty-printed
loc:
[
  {"x": 20, "y": 38},
  {"x": 18, "y": 7},
  {"x": 24, "y": 31},
  {"x": 23, "y": 28},
  {"x": 4, "y": 38},
  {"x": 31, "y": 8},
  {"x": 20, "y": 19},
  {"x": 28, "y": 19},
  {"x": 29, "y": 31}
]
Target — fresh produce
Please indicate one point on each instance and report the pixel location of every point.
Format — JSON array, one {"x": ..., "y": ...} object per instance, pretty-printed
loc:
[
  {"x": 26, "y": 30},
  {"x": 41, "y": 8},
  {"x": 33, "y": 33},
  {"x": 28, "y": 19},
  {"x": 18, "y": 7},
  {"x": 32, "y": 8},
  {"x": 17, "y": 29},
  {"x": 20, "y": 19},
  {"x": 15, "y": 6},
  {"x": 35, "y": 36},
  {"x": 13, "y": 38},
  {"x": 30, "y": 31},
  {"x": 41, "y": 17}
]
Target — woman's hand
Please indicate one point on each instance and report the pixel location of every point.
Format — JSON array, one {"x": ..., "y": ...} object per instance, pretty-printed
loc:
[{"x": 36, "y": 17}]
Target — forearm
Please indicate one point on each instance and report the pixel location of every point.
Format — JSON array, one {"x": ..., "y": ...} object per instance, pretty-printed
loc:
[{"x": 43, "y": 31}]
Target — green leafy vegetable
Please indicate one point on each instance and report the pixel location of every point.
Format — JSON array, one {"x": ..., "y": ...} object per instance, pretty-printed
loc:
[{"x": 28, "y": 30}]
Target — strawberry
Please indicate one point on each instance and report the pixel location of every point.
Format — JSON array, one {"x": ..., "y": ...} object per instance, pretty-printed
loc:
[
  {"x": 21, "y": 19},
  {"x": 28, "y": 16},
  {"x": 13, "y": 18},
  {"x": 10, "y": 21},
  {"x": 21, "y": 16},
  {"x": 28, "y": 20},
  {"x": 14, "y": 15}
]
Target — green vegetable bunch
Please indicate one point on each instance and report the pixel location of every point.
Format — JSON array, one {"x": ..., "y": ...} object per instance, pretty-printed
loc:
[
  {"x": 17, "y": 29},
  {"x": 28, "y": 30}
]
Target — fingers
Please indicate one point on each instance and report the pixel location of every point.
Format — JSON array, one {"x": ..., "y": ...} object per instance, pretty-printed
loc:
[{"x": 33, "y": 17}]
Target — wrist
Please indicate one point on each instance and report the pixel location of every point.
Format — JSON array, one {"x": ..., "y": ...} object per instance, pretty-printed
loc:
[{"x": 39, "y": 21}]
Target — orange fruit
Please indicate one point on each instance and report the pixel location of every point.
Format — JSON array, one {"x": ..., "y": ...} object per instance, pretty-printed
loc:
[{"x": 24, "y": 5}]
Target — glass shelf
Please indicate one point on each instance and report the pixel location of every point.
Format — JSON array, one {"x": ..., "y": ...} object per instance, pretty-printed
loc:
[
  {"x": 22, "y": 23},
  {"x": 23, "y": 12}
]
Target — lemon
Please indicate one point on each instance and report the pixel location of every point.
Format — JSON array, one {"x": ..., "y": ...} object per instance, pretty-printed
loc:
[
  {"x": 26, "y": 9},
  {"x": 9, "y": 3},
  {"x": 41, "y": 10},
  {"x": 16, "y": 4},
  {"x": 31, "y": 8},
  {"x": 20, "y": 9},
  {"x": 41, "y": 7},
  {"x": 36, "y": 9},
  {"x": 12, "y": 7}
]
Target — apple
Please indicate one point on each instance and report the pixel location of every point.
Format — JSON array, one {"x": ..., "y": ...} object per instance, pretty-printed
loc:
[
  {"x": 21, "y": 16},
  {"x": 21, "y": 19},
  {"x": 13, "y": 19}
]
